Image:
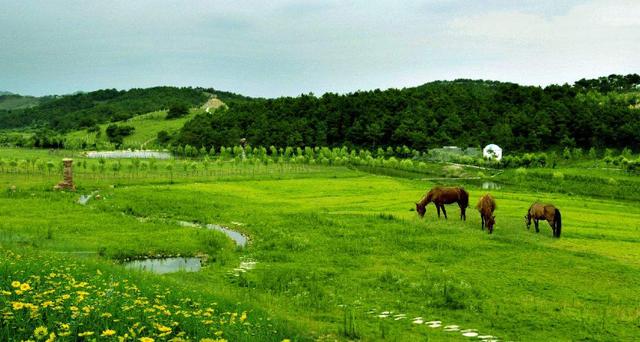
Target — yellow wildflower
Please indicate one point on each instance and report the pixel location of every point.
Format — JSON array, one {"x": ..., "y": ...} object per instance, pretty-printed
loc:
[
  {"x": 243, "y": 317},
  {"x": 108, "y": 332},
  {"x": 40, "y": 332},
  {"x": 86, "y": 333},
  {"x": 15, "y": 284},
  {"x": 52, "y": 337},
  {"x": 25, "y": 287},
  {"x": 162, "y": 328},
  {"x": 146, "y": 339},
  {"x": 286, "y": 340},
  {"x": 17, "y": 305}
]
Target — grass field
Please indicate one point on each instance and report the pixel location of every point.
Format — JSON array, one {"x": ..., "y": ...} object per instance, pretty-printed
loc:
[
  {"x": 335, "y": 250},
  {"x": 146, "y": 127}
]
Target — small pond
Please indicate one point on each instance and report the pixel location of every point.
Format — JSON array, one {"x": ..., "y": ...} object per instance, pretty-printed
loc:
[
  {"x": 491, "y": 186},
  {"x": 165, "y": 265},
  {"x": 129, "y": 154},
  {"x": 238, "y": 238}
]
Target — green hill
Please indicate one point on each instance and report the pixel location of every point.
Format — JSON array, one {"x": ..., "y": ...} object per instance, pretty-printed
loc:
[
  {"x": 10, "y": 101},
  {"x": 83, "y": 110},
  {"x": 146, "y": 128},
  {"x": 601, "y": 113}
]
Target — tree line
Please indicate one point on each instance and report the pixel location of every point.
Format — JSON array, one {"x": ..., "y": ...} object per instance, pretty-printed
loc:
[{"x": 590, "y": 113}]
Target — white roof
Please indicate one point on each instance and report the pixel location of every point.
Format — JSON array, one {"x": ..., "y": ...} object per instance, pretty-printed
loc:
[
  {"x": 492, "y": 151},
  {"x": 493, "y": 147}
]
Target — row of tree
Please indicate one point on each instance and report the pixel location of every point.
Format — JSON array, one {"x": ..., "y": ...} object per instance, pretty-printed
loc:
[{"x": 401, "y": 158}]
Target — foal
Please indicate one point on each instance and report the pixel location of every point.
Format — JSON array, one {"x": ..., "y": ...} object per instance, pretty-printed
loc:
[{"x": 486, "y": 206}]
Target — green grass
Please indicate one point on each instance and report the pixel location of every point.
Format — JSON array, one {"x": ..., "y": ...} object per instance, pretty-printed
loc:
[
  {"x": 146, "y": 127},
  {"x": 336, "y": 247}
]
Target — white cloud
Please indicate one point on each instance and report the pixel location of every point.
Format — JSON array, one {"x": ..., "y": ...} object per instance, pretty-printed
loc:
[
  {"x": 287, "y": 47},
  {"x": 591, "y": 39}
]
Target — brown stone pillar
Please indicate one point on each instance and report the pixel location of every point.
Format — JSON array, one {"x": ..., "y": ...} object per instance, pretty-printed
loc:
[{"x": 67, "y": 183}]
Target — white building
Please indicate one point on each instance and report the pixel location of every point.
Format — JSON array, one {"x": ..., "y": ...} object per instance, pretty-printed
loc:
[{"x": 492, "y": 151}]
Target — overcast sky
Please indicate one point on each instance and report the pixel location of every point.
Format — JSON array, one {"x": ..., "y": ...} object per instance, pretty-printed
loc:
[{"x": 287, "y": 47}]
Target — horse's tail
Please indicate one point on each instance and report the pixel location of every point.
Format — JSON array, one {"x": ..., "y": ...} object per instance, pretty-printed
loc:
[
  {"x": 464, "y": 198},
  {"x": 558, "y": 220}
]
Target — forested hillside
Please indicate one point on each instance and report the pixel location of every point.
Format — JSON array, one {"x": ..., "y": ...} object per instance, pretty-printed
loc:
[
  {"x": 601, "y": 112},
  {"x": 84, "y": 110},
  {"x": 12, "y": 101}
]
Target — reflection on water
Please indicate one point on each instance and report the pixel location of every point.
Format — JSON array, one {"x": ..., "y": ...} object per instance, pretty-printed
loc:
[
  {"x": 238, "y": 238},
  {"x": 129, "y": 154},
  {"x": 165, "y": 265},
  {"x": 491, "y": 186}
]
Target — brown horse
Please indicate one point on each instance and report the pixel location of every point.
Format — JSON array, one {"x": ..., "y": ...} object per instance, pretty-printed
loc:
[
  {"x": 548, "y": 212},
  {"x": 486, "y": 206},
  {"x": 444, "y": 195}
]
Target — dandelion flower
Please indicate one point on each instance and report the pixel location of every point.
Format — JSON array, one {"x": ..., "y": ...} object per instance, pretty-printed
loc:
[
  {"x": 25, "y": 287},
  {"x": 40, "y": 332},
  {"x": 15, "y": 284},
  {"x": 52, "y": 337},
  {"x": 146, "y": 339},
  {"x": 86, "y": 333},
  {"x": 108, "y": 332},
  {"x": 17, "y": 305}
]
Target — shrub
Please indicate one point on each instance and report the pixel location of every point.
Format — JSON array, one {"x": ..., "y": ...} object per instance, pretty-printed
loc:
[{"x": 177, "y": 110}]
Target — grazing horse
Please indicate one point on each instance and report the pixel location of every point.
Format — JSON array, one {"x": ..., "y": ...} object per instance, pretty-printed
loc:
[
  {"x": 486, "y": 206},
  {"x": 444, "y": 195},
  {"x": 548, "y": 212}
]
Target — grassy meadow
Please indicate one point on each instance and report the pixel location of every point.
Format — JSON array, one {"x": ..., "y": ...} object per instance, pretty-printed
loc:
[
  {"x": 339, "y": 253},
  {"x": 146, "y": 130}
]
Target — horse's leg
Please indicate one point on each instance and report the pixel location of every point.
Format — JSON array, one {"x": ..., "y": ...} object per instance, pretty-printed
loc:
[
  {"x": 438, "y": 207},
  {"x": 536, "y": 223},
  {"x": 482, "y": 218},
  {"x": 444, "y": 212}
]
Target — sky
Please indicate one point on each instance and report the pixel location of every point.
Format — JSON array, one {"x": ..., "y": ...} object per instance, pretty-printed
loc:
[{"x": 288, "y": 47}]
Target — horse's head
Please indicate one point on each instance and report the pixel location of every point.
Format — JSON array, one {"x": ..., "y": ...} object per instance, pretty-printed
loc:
[
  {"x": 490, "y": 222},
  {"x": 527, "y": 221},
  {"x": 420, "y": 209}
]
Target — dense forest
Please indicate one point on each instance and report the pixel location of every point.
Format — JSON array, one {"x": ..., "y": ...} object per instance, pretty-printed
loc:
[
  {"x": 603, "y": 112},
  {"x": 84, "y": 110}
]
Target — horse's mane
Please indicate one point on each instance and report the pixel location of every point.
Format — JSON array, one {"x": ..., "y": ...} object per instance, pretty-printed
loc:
[{"x": 486, "y": 200}]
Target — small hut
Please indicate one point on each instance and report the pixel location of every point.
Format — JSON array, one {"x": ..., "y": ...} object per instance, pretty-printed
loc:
[{"x": 492, "y": 151}]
